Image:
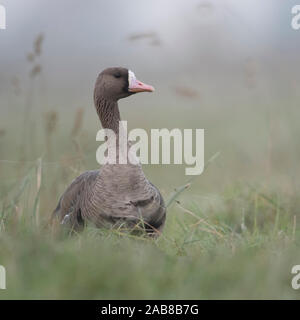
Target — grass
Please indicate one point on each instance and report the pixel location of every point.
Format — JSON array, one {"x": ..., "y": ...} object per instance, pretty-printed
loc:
[{"x": 238, "y": 244}]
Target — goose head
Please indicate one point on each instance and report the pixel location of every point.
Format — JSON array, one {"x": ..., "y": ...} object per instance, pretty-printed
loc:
[{"x": 116, "y": 83}]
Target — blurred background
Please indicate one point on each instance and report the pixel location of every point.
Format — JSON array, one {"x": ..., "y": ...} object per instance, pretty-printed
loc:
[{"x": 230, "y": 67}]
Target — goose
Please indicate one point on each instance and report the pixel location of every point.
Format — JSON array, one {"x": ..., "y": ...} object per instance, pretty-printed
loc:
[{"x": 116, "y": 194}]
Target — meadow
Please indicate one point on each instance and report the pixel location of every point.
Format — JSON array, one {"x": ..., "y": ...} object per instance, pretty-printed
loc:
[{"x": 231, "y": 233}]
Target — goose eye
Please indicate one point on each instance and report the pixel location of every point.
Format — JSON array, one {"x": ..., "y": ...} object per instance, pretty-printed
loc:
[{"x": 117, "y": 75}]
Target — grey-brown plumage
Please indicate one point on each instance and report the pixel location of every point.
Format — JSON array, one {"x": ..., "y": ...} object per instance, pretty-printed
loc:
[{"x": 118, "y": 193}]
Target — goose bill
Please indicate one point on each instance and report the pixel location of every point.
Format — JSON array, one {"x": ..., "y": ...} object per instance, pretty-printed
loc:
[{"x": 137, "y": 86}]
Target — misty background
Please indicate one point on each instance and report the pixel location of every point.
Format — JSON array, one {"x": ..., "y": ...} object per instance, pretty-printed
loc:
[{"x": 230, "y": 67}]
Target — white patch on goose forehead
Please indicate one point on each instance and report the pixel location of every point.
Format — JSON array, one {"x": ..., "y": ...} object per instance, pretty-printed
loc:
[{"x": 131, "y": 77}]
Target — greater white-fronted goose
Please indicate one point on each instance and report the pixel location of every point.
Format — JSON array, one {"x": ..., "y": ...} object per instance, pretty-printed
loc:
[{"x": 118, "y": 194}]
